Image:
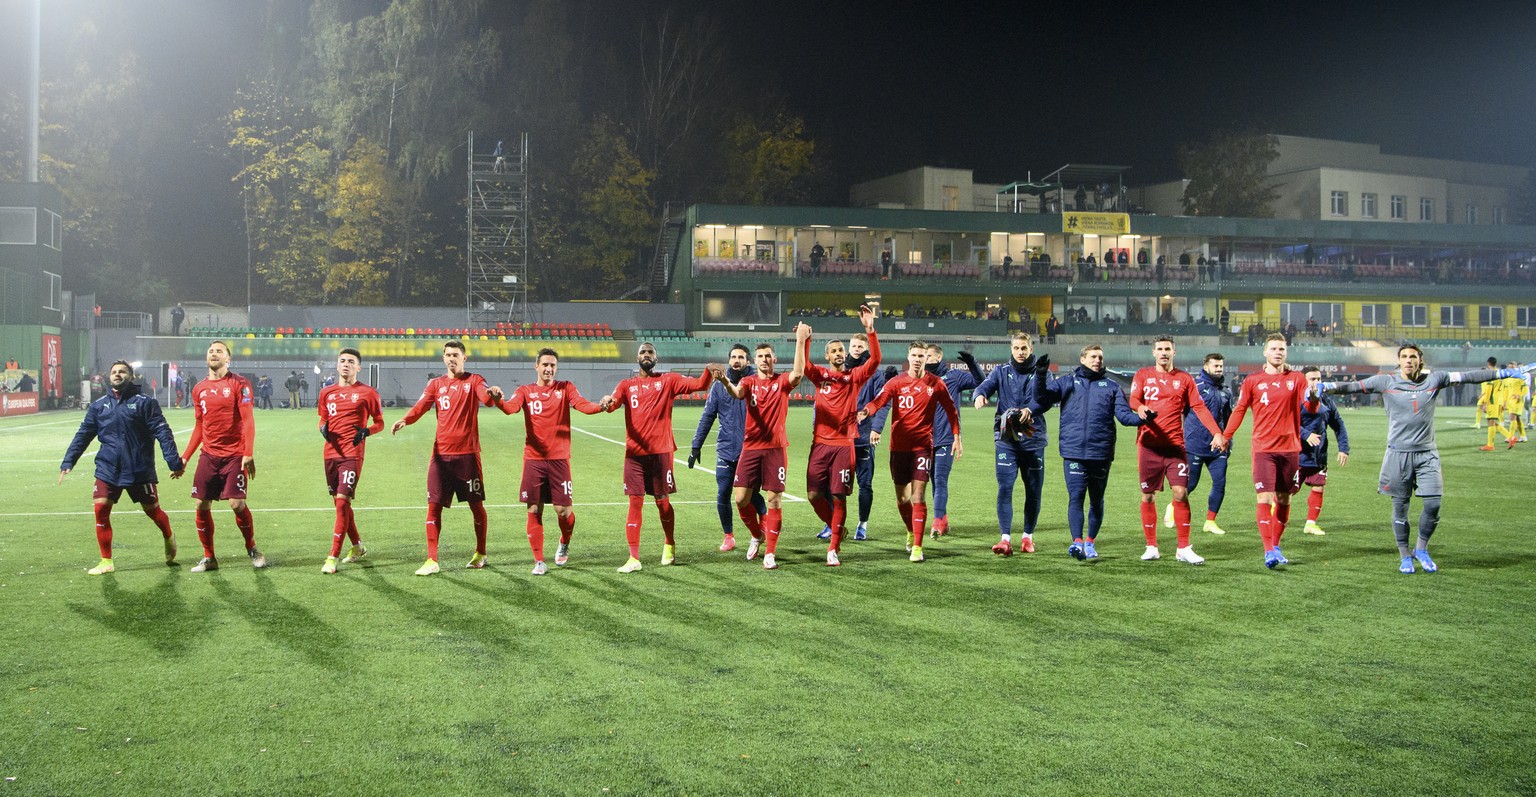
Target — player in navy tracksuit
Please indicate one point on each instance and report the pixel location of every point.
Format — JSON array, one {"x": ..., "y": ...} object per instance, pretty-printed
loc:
[
  {"x": 1314, "y": 448},
  {"x": 732, "y": 415},
  {"x": 869, "y": 432},
  {"x": 1210, "y": 380},
  {"x": 1019, "y": 445},
  {"x": 1090, "y": 404},
  {"x": 956, "y": 381},
  {"x": 127, "y": 423}
]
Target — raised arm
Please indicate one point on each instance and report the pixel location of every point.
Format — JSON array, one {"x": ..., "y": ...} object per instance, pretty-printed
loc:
[{"x": 802, "y": 351}]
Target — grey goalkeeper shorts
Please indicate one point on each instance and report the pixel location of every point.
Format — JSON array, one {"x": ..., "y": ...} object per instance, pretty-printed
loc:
[{"x": 1407, "y": 473}]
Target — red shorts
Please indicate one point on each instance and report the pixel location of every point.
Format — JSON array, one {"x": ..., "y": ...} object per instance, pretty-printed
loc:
[
  {"x": 140, "y": 493},
  {"x": 911, "y": 466},
  {"x": 454, "y": 475},
  {"x": 1314, "y": 477},
  {"x": 830, "y": 470},
  {"x": 762, "y": 469},
  {"x": 546, "y": 481},
  {"x": 341, "y": 476},
  {"x": 649, "y": 474},
  {"x": 218, "y": 479},
  {"x": 1277, "y": 472},
  {"x": 1154, "y": 465}
]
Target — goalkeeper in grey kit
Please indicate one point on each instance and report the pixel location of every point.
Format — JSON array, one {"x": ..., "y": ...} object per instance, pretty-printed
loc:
[{"x": 1411, "y": 465}]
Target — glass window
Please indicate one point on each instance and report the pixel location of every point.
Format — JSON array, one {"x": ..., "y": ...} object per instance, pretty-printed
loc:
[
  {"x": 55, "y": 291},
  {"x": 18, "y": 226},
  {"x": 1399, "y": 207},
  {"x": 1498, "y": 215},
  {"x": 1374, "y": 315},
  {"x": 1368, "y": 205},
  {"x": 1525, "y": 316},
  {"x": 1453, "y": 315},
  {"x": 951, "y": 197},
  {"x": 1490, "y": 316},
  {"x": 1426, "y": 209},
  {"x": 943, "y": 252},
  {"x": 1339, "y": 204},
  {"x": 1471, "y": 214},
  {"x": 1415, "y": 315}
]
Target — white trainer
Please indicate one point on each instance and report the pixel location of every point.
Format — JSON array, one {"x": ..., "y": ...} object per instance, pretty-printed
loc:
[
  {"x": 539, "y": 568},
  {"x": 1151, "y": 554},
  {"x": 1188, "y": 556},
  {"x": 769, "y": 563},
  {"x": 832, "y": 560},
  {"x": 752, "y": 548}
]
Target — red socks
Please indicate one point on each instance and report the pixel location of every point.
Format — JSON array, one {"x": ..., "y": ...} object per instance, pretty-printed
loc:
[
  {"x": 1314, "y": 505},
  {"x": 477, "y": 510},
  {"x": 839, "y": 517},
  {"x": 1181, "y": 522},
  {"x": 163, "y": 523},
  {"x": 823, "y": 509},
  {"x": 205, "y": 531},
  {"x": 434, "y": 527},
  {"x": 1209, "y": 515},
  {"x": 771, "y": 521},
  {"x": 1264, "y": 514},
  {"x": 664, "y": 508},
  {"x": 905, "y": 510},
  {"x": 753, "y": 521},
  {"x": 632, "y": 525},
  {"x": 919, "y": 520},
  {"x": 567, "y": 525},
  {"x": 536, "y": 536},
  {"x": 104, "y": 529},
  {"x": 342, "y": 526},
  {"x": 1282, "y": 516},
  {"x": 1149, "y": 522},
  {"x": 247, "y": 526}
]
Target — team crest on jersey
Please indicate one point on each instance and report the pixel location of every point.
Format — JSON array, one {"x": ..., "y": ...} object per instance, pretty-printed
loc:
[
  {"x": 930, "y": 391},
  {"x": 1290, "y": 385},
  {"x": 658, "y": 384},
  {"x": 226, "y": 392}
]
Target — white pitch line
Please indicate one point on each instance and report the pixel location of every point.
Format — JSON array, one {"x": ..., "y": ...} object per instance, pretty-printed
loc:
[
  {"x": 787, "y": 496},
  {"x": 34, "y": 425}
]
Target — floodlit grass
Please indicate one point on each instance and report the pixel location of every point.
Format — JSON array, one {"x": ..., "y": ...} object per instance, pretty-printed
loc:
[{"x": 965, "y": 674}]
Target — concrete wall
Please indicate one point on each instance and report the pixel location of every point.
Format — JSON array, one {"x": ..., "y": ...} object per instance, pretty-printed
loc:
[{"x": 618, "y": 315}]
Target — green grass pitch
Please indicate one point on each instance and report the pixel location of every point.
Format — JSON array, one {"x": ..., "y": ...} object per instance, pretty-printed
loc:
[{"x": 966, "y": 674}]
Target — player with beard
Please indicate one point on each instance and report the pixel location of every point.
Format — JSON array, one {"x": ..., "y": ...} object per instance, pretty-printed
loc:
[
  {"x": 224, "y": 424},
  {"x": 869, "y": 430},
  {"x": 647, "y": 399},
  {"x": 764, "y": 448},
  {"x": 1210, "y": 381},
  {"x": 127, "y": 423},
  {"x": 732, "y": 416},
  {"x": 829, "y": 471}
]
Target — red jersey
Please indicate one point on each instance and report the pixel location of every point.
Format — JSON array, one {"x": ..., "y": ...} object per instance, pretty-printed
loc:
[
  {"x": 1277, "y": 404},
  {"x": 916, "y": 402},
  {"x": 457, "y": 401},
  {"x": 837, "y": 397},
  {"x": 767, "y": 405},
  {"x": 647, "y": 404},
  {"x": 547, "y": 417},
  {"x": 342, "y": 409},
  {"x": 224, "y": 421},
  {"x": 1169, "y": 395}
]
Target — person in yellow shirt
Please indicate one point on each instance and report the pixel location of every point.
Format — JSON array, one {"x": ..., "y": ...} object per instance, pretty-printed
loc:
[
  {"x": 1495, "y": 412},
  {"x": 1515, "y": 394},
  {"x": 1483, "y": 399}
]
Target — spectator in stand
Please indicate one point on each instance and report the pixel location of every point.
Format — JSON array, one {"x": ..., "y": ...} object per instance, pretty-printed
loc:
[
  {"x": 817, "y": 255},
  {"x": 178, "y": 315}
]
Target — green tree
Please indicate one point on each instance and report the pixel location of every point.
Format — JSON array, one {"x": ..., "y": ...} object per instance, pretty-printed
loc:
[
  {"x": 597, "y": 222},
  {"x": 1227, "y": 175},
  {"x": 767, "y": 164},
  {"x": 362, "y": 210}
]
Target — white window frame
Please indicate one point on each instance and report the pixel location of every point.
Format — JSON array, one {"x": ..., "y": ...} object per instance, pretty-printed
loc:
[
  {"x": 1490, "y": 316},
  {"x": 1471, "y": 217},
  {"x": 25, "y": 219},
  {"x": 1379, "y": 315},
  {"x": 1525, "y": 317},
  {"x": 1453, "y": 316},
  {"x": 1338, "y": 203},
  {"x": 1368, "y": 205},
  {"x": 1498, "y": 215},
  {"x": 1414, "y": 315},
  {"x": 1426, "y": 208},
  {"x": 1399, "y": 207}
]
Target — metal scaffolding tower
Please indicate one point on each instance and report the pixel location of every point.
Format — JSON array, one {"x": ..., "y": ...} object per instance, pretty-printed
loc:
[{"x": 498, "y": 232}]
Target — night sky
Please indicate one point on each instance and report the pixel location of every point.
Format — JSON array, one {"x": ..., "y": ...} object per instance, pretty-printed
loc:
[{"x": 1004, "y": 91}]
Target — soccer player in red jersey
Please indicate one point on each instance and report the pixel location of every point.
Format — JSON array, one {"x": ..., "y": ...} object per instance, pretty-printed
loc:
[
  {"x": 829, "y": 472},
  {"x": 127, "y": 422},
  {"x": 1161, "y": 394},
  {"x": 546, "y": 406},
  {"x": 1276, "y": 394},
  {"x": 917, "y": 395},
  {"x": 454, "y": 470},
  {"x": 647, "y": 400},
  {"x": 224, "y": 424},
  {"x": 345, "y": 408},
  {"x": 764, "y": 462}
]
